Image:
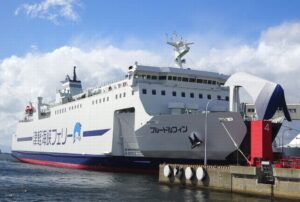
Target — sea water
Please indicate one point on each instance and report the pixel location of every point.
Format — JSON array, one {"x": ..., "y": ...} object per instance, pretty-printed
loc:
[{"x": 26, "y": 182}]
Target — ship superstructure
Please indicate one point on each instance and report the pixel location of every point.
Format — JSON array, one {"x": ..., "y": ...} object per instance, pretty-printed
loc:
[{"x": 154, "y": 114}]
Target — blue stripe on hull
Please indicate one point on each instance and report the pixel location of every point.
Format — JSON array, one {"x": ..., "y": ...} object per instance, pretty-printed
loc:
[{"x": 94, "y": 132}]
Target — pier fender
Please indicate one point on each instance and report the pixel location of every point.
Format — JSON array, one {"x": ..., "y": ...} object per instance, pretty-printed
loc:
[
  {"x": 189, "y": 173},
  {"x": 178, "y": 172},
  {"x": 200, "y": 173},
  {"x": 167, "y": 171}
]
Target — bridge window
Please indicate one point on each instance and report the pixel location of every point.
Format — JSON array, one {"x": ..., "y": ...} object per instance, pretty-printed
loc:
[
  {"x": 144, "y": 91},
  {"x": 214, "y": 82},
  {"x": 193, "y": 80},
  {"x": 204, "y": 81},
  {"x": 179, "y": 78},
  {"x": 169, "y": 77},
  {"x": 209, "y": 81},
  {"x": 182, "y": 94},
  {"x": 185, "y": 79},
  {"x": 162, "y": 77},
  {"x": 192, "y": 95},
  {"x": 148, "y": 77},
  {"x": 174, "y": 78},
  {"x": 154, "y": 77},
  {"x": 153, "y": 92},
  {"x": 163, "y": 92},
  {"x": 174, "y": 93},
  {"x": 199, "y": 80}
]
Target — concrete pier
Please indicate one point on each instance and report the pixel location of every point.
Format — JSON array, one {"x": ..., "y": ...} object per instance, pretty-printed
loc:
[{"x": 238, "y": 179}]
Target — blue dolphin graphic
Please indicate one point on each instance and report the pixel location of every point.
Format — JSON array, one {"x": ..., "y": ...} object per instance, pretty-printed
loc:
[{"x": 76, "y": 132}]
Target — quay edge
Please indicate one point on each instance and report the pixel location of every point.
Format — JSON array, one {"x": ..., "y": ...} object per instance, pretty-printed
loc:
[{"x": 238, "y": 179}]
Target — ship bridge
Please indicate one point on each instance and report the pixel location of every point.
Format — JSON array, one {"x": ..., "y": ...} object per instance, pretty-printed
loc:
[{"x": 165, "y": 90}]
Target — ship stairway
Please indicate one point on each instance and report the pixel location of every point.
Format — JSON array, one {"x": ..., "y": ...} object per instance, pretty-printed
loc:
[{"x": 130, "y": 145}]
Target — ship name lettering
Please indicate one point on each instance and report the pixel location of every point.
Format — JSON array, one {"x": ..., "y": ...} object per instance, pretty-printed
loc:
[
  {"x": 169, "y": 129},
  {"x": 50, "y": 137}
]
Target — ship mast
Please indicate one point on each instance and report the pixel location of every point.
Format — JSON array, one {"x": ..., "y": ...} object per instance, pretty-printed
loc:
[{"x": 181, "y": 48}]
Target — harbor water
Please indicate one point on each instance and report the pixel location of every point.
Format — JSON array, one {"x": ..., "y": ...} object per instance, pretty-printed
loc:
[{"x": 25, "y": 182}]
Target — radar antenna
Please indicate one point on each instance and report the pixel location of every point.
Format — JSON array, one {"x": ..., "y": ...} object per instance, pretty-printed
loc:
[{"x": 181, "y": 48}]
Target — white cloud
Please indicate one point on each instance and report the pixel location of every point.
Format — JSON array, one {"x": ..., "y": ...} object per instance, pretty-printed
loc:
[
  {"x": 52, "y": 10},
  {"x": 38, "y": 74},
  {"x": 275, "y": 56}
]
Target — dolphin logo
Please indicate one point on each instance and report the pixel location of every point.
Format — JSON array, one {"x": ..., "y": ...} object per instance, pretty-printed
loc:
[
  {"x": 76, "y": 131},
  {"x": 195, "y": 140}
]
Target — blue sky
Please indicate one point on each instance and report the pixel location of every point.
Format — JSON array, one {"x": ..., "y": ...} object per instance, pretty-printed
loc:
[
  {"x": 41, "y": 40},
  {"x": 142, "y": 20}
]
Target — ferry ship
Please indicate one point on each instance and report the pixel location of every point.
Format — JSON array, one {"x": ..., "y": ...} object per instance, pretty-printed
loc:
[{"x": 153, "y": 115}]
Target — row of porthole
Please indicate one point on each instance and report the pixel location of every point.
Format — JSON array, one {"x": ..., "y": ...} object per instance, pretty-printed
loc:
[
  {"x": 100, "y": 100},
  {"x": 64, "y": 110},
  {"x": 183, "y": 94},
  {"x": 189, "y": 172}
]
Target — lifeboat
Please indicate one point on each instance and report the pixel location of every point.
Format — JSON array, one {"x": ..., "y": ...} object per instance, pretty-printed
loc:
[{"x": 29, "y": 109}]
